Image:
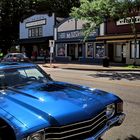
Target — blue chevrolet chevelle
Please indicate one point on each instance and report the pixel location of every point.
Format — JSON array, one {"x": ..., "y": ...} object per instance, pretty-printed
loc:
[{"x": 35, "y": 107}]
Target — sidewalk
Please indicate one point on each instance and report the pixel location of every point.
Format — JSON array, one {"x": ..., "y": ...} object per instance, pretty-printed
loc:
[{"x": 90, "y": 67}]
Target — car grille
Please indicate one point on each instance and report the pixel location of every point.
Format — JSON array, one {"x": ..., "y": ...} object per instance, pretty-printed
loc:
[{"x": 77, "y": 131}]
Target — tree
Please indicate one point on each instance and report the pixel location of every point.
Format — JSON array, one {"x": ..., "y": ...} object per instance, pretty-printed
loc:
[
  {"x": 95, "y": 12},
  {"x": 14, "y": 11},
  {"x": 61, "y": 8},
  {"x": 11, "y": 12}
]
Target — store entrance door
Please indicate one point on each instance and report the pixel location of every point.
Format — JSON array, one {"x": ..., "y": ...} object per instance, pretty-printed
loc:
[
  {"x": 111, "y": 52},
  {"x": 75, "y": 51},
  {"x": 71, "y": 51},
  {"x": 123, "y": 53}
]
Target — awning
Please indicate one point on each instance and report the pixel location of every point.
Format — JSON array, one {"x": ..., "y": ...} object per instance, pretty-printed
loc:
[
  {"x": 117, "y": 41},
  {"x": 117, "y": 37},
  {"x": 35, "y": 40}
]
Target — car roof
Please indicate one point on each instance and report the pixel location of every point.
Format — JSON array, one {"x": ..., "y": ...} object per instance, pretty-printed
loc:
[
  {"x": 15, "y": 53},
  {"x": 9, "y": 65}
]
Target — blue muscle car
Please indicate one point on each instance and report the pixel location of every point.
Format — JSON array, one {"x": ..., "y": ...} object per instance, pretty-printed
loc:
[{"x": 35, "y": 107}]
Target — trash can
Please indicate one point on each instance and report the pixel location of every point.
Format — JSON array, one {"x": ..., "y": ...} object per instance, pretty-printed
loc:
[{"x": 106, "y": 62}]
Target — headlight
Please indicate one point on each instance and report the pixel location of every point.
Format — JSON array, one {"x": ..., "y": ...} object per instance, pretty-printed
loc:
[
  {"x": 36, "y": 136},
  {"x": 110, "y": 110}
]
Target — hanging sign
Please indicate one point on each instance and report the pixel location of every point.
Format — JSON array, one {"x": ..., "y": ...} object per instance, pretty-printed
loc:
[{"x": 51, "y": 45}]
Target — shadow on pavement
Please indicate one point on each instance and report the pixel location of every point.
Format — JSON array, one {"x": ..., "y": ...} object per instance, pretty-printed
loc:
[
  {"x": 117, "y": 76},
  {"x": 132, "y": 137}
]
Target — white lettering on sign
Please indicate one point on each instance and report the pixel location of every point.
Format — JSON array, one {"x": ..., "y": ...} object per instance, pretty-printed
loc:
[
  {"x": 128, "y": 20},
  {"x": 36, "y": 23},
  {"x": 74, "y": 34}
]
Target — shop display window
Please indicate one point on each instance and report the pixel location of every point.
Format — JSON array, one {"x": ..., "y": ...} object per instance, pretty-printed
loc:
[
  {"x": 133, "y": 50},
  {"x": 61, "y": 50},
  {"x": 100, "y": 50},
  {"x": 89, "y": 50},
  {"x": 80, "y": 50}
]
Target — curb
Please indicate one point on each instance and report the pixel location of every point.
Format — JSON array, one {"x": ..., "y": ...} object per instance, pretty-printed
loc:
[
  {"x": 91, "y": 69},
  {"x": 135, "y": 70}
]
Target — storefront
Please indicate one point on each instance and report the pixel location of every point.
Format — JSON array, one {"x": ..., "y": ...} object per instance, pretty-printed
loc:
[
  {"x": 35, "y": 33},
  {"x": 122, "y": 51},
  {"x": 70, "y": 45},
  {"x": 119, "y": 42}
]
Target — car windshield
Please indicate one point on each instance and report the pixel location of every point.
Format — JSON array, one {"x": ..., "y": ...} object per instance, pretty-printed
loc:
[{"x": 22, "y": 76}]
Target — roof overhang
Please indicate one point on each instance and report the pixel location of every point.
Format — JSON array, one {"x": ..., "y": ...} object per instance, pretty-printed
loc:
[
  {"x": 117, "y": 37},
  {"x": 35, "y": 40}
]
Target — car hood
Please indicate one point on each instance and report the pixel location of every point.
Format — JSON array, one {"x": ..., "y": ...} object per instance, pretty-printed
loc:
[{"x": 39, "y": 105}]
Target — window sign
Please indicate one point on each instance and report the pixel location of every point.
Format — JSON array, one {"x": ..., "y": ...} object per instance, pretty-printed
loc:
[
  {"x": 90, "y": 50},
  {"x": 61, "y": 50},
  {"x": 100, "y": 50}
]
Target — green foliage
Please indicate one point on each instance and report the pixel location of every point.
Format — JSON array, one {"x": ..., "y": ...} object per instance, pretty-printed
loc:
[
  {"x": 132, "y": 67},
  {"x": 60, "y": 7},
  {"x": 95, "y": 12},
  {"x": 14, "y": 11},
  {"x": 11, "y": 12}
]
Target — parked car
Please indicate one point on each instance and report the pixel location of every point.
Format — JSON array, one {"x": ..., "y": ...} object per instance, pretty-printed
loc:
[
  {"x": 35, "y": 107},
  {"x": 15, "y": 57}
]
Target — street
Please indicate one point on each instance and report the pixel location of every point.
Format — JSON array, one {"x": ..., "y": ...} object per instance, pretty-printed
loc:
[{"x": 124, "y": 84}]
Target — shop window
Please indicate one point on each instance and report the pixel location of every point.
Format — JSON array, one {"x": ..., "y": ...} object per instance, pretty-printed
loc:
[
  {"x": 35, "y": 32},
  {"x": 29, "y": 33},
  {"x": 132, "y": 53},
  {"x": 61, "y": 50},
  {"x": 89, "y": 50},
  {"x": 100, "y": 50},
  {"x": 40, "y": 31}
]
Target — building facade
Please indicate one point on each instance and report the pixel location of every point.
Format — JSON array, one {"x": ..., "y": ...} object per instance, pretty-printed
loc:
[
  {"x": 112, "y": 39},
  {"x": 119, "y": 41},
  {"x": 35, "y": 33},
  {"x": 70, "y": 44}
]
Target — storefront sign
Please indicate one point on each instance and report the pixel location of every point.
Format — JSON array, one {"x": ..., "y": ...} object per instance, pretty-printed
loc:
[
  {"x": 128, "y": 21},
  {"x": 36, "y": 23},
  {"x": 74, "y": 34}
]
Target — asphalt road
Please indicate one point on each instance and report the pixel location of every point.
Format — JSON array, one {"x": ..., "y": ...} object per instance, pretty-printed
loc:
[{"x": 124, "y": 84}]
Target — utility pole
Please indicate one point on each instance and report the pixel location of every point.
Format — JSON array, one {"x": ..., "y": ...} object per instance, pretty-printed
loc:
[
  {"x": 135, "y": 39},
  {"x": 51, "y": 45}
]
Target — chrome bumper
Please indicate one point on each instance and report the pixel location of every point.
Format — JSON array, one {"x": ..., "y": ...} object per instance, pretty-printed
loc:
[{"x": 113, "y": 122}]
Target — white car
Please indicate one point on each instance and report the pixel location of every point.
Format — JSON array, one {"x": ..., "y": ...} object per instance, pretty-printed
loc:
[{"x": 15, "y": 57}]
